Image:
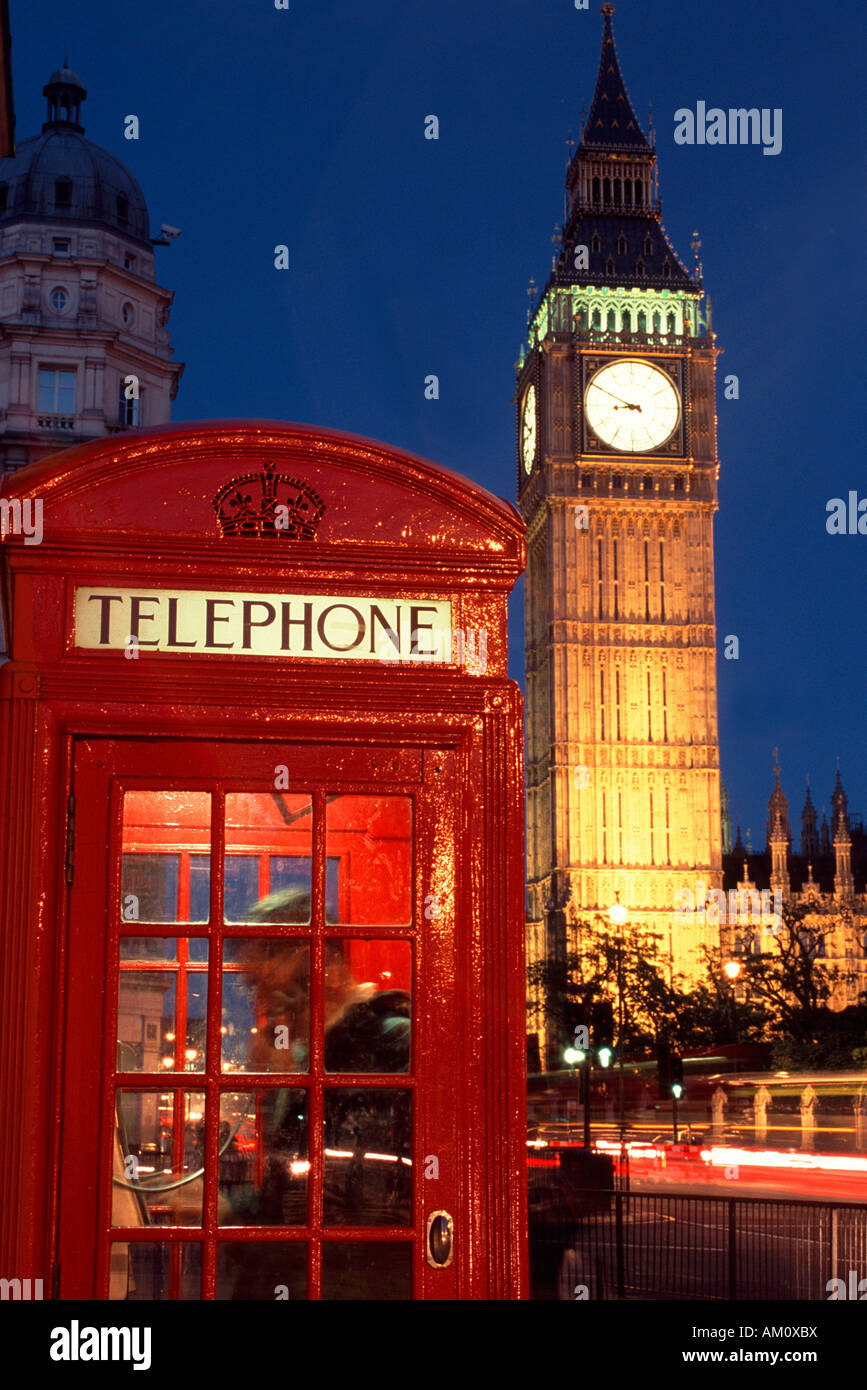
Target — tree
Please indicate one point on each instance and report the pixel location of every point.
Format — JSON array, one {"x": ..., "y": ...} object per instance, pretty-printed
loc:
[
  {"x": 793, "y": 979},
  {"x": 587, "y": 975}
]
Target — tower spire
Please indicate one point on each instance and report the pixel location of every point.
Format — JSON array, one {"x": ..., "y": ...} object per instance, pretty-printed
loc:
[{"x": 612, "y": 122}]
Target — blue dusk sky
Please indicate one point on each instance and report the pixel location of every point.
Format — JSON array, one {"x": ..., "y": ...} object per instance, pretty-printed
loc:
[{"x": 408, "y": 256}]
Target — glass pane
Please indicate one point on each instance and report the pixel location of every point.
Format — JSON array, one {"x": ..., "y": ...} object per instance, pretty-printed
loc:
[
  {"x": 263, "y": 1158},
  {"x": 149, "y": 887},
  {"x": 380, "y": 1270},
  {"x": 140, "y": 1270},
  {"x": 148, "y": 948},
  {"x": 368, "y": 984},
  {"x": 368, "y": 1168},
  {"x": 257, "y": 825},
  {"x": 265, "y": 1022},
  {"x": 262, "y": 1269},
  {"x": 158, "y": 1158},
  {"x": 164, "y": 832},
  {"x": 161, "y": 1014},
  {"x": 371, "y": 836}
]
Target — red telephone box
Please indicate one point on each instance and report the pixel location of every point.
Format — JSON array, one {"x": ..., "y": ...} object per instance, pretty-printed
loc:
[{"x": 262, "y": 860}]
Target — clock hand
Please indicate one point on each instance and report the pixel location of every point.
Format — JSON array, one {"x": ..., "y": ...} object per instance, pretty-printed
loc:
[{"x": 624, "y": 404}]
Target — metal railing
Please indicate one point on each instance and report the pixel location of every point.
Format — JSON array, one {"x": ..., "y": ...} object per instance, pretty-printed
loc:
[{"x": 634, "y": 1245}]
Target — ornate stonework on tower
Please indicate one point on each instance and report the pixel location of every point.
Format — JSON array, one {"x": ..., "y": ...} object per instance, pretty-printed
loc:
[{"x": 617, "y": 481}]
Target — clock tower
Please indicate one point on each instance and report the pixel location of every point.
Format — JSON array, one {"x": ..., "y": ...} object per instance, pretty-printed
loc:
[{"x": 617, "y": 481}]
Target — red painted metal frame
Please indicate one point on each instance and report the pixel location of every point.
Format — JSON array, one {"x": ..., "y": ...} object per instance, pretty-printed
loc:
[{"x": 137, "y": 511}]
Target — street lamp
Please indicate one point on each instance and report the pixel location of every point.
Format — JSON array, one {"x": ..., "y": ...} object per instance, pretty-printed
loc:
[
  {"x": 732, "y": 969},
  {"x": 617, "y": 918}
]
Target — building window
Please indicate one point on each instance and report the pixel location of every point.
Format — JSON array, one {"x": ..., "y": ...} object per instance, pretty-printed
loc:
[
  {"x": 678, "y": 484},
  {"x": 129, "y": 262},
  {"x": 60, "y": 246},
  {"x": 648, "y": 482},
  {"x": 621, "y": 245},
  {"x": 128, "y": 412},
  {"x": 59, "y": 299},
  {"x": 666, "y": 271},
  {"x": 672, "y": 323},
  {"x": 596, "y": 243},
  {"x": 62, "y": 193},
  {"x": 4, "y": 195},
  {"x": 122, "y": 209},
  {"x": 127, "y": 313},
  {"x": 609, "y": 270},
  {"x": 639, "y": 270},
  {"x": 56, "y": 391},
  {"x": 587, "y": 482}
]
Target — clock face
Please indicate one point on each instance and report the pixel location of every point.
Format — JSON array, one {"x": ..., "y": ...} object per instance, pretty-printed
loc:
[
  {"x": 528, "y": 429},
  {"x": 632, "y": 406}
]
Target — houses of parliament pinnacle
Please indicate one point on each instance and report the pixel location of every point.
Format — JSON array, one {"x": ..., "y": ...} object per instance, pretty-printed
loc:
[{"x": 617, "y": 470}]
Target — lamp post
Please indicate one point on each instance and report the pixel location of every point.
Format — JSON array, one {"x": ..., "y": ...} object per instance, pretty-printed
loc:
[
  {"x": 732, "y": 969},
  {"x": 617, "y": 918}
]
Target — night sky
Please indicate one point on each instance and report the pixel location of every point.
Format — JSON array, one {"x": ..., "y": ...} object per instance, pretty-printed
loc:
[{"x": 306, "y": 127}]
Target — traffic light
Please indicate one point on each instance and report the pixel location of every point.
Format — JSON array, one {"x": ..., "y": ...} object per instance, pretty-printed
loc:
[
  {"x": 669, "y": 1072},
  {"x": 602, "y": 1033},
  {"x": 676, "y": 1076},
  {"x": 575, "y": 1019},
  {"x": 663, "y": 1071}
]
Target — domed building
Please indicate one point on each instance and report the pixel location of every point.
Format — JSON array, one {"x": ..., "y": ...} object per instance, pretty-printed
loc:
[{"x": 84, "y": 347}]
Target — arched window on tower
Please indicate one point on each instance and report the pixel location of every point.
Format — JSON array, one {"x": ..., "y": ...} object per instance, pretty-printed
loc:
[
  {"x": 639, "y": 193},
  {"x": 581, "y": 318},
  {"x": 672, "y": 323},
  {"x": 656, "y": 321},
  {"x": 639, "y": 270},
  {"x": 596, "y": 320},
  {"x": 596, "y": 243},
  {"x": 626, "y": 321},
  {"x": 609, "y": 267},
  {"x": 612, "y": 321},
  {"x": 621, "y": 245},
  {"x": 642, "y": 321},
  {"x": 617, "y": 191},
  {"x": 596, "y": 190},
  {"x": 648, "y": 246},
  {"x": 666, "y": 271},
  {"x": 606, "y": 191},
  {"x": 63, "y": 193},
  {"x": 627, "y": 192}
]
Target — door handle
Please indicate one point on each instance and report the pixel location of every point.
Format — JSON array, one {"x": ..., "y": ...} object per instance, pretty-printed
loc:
[{"x": 439, "y": 1239}]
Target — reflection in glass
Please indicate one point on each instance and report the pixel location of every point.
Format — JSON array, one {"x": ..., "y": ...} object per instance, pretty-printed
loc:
[
  {"x": 263, "y": 1158},
  {"x": 266, "y": 1004},
  {"x": 262, "y": 1269},
  {"x": 372, "y": 1031},
  {"x": 161, "y": 1014},
  {"x": 371, "y": 836},
  {"x": 140, "y": 1270},
  {"x": 257, "y": 824},
  {"x": 158, "y": 1158},
  {"x": 368, "y": 1168},
  {"x": 371, "y": 1270}
]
